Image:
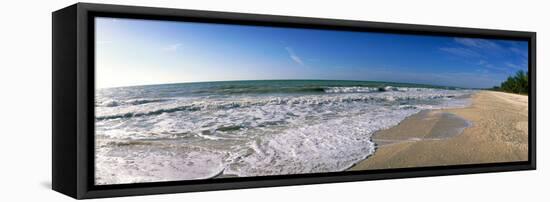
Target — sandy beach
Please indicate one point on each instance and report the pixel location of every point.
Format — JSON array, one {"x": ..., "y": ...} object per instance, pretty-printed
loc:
[{"x": 493, "y": 129}]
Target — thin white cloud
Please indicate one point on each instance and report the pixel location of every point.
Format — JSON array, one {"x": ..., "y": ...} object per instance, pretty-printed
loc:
[
  {"x": 488, "y": 65},
  {"x": 462, "y": 52},
  {"x": 473, "y": 48},
  {"x": 519, "y": 52},
  {"x": 293, "y": 56},
  {"x": 172, "y": 47},
  {"x": 478, "y": 43},
  {"x": 482, "y": 50},
  {"x": 515, "y": 66}
]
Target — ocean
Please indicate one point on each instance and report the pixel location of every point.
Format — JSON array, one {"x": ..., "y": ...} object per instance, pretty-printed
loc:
[{"x": 190, "y": 131}]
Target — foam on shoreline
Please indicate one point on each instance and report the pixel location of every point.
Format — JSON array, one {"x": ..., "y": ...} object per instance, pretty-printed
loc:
[{"x": 484, "y": 132}]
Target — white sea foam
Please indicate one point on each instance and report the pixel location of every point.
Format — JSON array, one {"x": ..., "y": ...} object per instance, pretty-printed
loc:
[
  {"x": 122, "y": 164},
  {"x": 330, "y": 146},
  {"x": 154, "y": 108},
  {"x": 352, "y": 89}
]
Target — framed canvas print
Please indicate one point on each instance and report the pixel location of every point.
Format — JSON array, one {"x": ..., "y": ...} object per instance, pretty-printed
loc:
[{"x": 155, "y": 100}]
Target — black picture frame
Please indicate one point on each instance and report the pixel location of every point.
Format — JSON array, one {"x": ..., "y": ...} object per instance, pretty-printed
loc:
[{"x": 73, "y": 100}]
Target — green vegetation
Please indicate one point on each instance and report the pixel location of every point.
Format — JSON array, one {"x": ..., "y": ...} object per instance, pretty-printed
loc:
[{"x": 518, "y": 83}]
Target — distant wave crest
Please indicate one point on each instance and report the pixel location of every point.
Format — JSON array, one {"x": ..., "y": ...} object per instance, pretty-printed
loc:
[
  {"x": 114, "y": 103},
  {"x": 390, "y": 94}
]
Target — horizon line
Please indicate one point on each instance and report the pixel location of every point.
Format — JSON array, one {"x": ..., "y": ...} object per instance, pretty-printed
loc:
[{"x": 213, "y": 81}]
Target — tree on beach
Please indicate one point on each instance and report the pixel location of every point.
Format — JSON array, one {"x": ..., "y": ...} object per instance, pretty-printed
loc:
[{"x": 518, "y": 83}]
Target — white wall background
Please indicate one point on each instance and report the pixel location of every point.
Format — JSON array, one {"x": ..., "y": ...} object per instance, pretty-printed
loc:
[{"x": 25, "y": 101}]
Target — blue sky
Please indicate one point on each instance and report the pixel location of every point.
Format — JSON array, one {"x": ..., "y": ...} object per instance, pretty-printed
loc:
[{"x": 139, "y": 52}]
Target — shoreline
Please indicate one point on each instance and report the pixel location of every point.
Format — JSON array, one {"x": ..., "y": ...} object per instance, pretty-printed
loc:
[{"x": 496, "y": 132}]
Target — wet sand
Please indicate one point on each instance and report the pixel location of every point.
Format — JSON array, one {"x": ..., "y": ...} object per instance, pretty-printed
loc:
[{"x": 492, "y": 129}]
